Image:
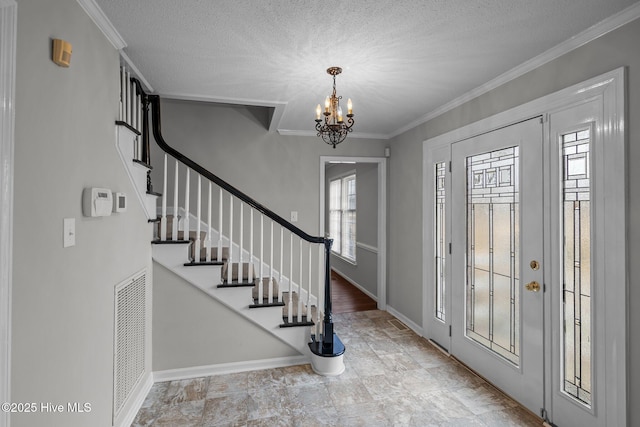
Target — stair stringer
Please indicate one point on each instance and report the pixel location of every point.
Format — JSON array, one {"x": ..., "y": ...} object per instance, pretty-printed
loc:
[
  {"x": 207, "y": 279},
  {"x": 193, "y": 221},
  {"x": 125, "y": 142}
]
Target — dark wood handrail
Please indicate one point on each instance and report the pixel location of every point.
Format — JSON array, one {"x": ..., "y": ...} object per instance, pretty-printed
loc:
[
  {"x": 329, "y": 344},
  {"x": 157, "y": 133}
]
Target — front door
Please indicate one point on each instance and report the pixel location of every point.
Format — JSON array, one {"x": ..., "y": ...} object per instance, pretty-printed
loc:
[{"x": 497, "y": 253}]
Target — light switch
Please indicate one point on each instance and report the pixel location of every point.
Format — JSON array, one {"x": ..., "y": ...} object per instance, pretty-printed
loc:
[
  {"x": 69, "y": 232},
  {"x": 294, "y": 216}
]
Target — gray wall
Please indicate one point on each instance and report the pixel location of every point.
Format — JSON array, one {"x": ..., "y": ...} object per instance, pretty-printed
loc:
[
  {"x": 191, "y": 329},
  {"x": 63, "y": 299},
  {"x": 616, "y": 49},
  {"x": 281, "y": 172},
  {"x": 364, "y": 273}
]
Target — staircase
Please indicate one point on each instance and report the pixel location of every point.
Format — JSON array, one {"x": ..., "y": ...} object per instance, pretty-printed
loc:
[{"x": 233, "y": 248}]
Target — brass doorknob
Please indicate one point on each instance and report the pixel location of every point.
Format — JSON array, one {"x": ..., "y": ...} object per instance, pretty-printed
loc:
[{"x": 533, "y": 286}]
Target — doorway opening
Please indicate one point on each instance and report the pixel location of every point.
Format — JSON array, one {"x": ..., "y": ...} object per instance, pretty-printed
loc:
[{"x": 363, "y": 261}]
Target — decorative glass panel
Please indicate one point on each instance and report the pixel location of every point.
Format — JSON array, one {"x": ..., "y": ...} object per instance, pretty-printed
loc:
[
  {"x": 440, "y": 244},
  {"x": 492, "y": 288},
  {"x": 576, "y": 295}
]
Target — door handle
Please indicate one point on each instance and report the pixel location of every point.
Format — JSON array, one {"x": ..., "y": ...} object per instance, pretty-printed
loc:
[{"x": 533, "y": 286}]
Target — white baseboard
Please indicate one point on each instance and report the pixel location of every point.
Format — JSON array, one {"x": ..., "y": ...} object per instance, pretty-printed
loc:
[
  {"x": 354, "y": 283},
  {"x": 137, "y": 401},
  {"x": 404, "y": 319},
  {"x": 228, "y": 368}
]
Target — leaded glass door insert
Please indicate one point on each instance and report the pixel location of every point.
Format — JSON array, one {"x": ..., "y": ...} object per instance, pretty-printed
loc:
[
  {"x": 493, "y": 284},
  {"x": 576, "y": 286},
  {"x": 440, "y": 240},
  {"x": 497, "y": 257}
]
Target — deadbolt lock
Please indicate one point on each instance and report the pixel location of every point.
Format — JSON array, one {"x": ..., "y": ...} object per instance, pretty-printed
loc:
[
  {"x": 533, "y": 286},
  {"x": 534, "y": 265}
]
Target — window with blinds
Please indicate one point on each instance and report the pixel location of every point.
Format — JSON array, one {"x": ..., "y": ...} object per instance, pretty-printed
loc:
[{"x": 342, "y": 216}]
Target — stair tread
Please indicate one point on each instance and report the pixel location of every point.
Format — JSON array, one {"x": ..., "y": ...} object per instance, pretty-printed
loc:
[
  {"x": 169, "y": 242},
  {"x": 195, "y": 264},
  {"x": 265, "y": 303},
  {"x": 235, "y": 284},
  {"x": 141, "y": 163}
]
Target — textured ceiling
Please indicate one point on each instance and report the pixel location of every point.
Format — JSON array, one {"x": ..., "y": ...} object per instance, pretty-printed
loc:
[{"x": 401, "y": 59}]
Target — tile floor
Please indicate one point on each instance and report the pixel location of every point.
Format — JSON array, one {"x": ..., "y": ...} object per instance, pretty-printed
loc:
[{"x": 392, "y": 378}]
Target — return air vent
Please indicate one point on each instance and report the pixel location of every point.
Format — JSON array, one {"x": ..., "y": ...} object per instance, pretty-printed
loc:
[{"x": 130, "y": 333}]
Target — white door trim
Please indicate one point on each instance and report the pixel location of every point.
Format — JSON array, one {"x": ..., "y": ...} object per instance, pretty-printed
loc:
[
  {"x": 382, "y": 215},
  {"x": 8, "y": 20},
  {"x": 610, "y": 89}
]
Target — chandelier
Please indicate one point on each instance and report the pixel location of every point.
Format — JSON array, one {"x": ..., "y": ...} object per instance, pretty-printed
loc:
[{"x": 334, "y": 130}]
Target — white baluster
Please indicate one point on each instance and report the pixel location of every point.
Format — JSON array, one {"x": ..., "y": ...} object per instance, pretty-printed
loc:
[
  {"x": 271, "y": 267},
  {"x": 127, "y": 86},
  {"x": 250, "y": 278},
  {"x": 208, "y": 241},
  {"x": 230, "y": 260},
  {"x": 290, "y": 314},
  {"x": 220, "y": 200},
  {"x": 281, "y": 263},
  {"x": 134, "y": 107},
  {"x": 185, "y": 223},
  {"x": 163, "y": 217},
  {"x": 174, "y": 227},
  {"x": 240, "y": 257},
  {"x": 198, "y": 219},
  {"x": 130, "y": 100},
  {"x": 139, "y": 120},
  {"x": 122, "y": 94},
  {"x": 300, "y": 285},
  {"x": 261, "y": 261}
]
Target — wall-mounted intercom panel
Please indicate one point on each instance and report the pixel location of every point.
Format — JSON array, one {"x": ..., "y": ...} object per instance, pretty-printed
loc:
[{"x": 97, "y": 201}]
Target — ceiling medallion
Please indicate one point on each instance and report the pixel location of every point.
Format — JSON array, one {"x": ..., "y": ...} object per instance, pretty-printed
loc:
[{"x": 334, "y": 130}]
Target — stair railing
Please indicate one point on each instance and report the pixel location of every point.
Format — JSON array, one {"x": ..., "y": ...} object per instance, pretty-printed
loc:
[{"x": 324, "y": 342}]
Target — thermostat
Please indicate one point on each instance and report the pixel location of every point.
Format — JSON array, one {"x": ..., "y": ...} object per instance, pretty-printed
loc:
[{"x": 119, "y": 202}]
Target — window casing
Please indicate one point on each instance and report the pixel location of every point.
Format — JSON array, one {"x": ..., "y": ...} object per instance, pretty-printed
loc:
[{"x": 342, "y": 216}]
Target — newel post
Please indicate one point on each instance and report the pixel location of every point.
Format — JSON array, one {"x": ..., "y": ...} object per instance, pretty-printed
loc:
[
  {"x": 327, "y": 337},
  {"x": 327, "y": 350}
]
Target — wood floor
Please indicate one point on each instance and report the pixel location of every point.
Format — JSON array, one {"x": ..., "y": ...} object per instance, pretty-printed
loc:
[{"x": 346, "y": 298}]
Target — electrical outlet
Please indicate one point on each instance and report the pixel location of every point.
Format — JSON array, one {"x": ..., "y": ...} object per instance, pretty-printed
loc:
[{"x": 69, "y": 232}]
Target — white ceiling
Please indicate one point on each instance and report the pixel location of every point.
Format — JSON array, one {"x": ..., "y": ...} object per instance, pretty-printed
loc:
[{"x": 401, "y": 59}]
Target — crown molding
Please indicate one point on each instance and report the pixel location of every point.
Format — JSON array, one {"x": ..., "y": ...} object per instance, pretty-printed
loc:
[
  {"x": 100, "y": 19},
  {"x": 605, "y": 26}
]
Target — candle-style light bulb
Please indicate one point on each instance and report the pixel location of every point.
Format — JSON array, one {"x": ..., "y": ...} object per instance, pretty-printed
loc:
[
  {"x": 326, "y": 104},
  {"x": 339, "y": 114},
  {"x": 318, "y": 112},
  {"x": 349, "y": 106}
]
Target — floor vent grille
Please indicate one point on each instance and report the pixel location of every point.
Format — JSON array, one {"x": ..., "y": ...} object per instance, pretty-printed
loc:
[
  {"x": 130, "y": 333},
  {"x": 398, "y": 325}
]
